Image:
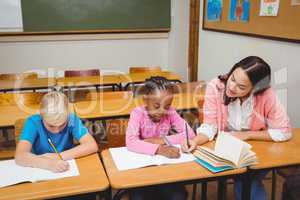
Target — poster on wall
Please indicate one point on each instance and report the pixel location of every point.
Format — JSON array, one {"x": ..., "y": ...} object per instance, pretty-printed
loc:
[
  {"x": 239, "y": 10},
  {"x": 295, "y": 2},
  {"x": 269, "y": 7},
  {"x": 214, "y": 10}
]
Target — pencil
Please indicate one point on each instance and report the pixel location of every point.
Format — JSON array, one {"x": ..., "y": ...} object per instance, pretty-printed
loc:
[
  {"x": 53, "y": 147},
  {"x": 187, "y": 136},
  {"x": 166, "y": 140}
]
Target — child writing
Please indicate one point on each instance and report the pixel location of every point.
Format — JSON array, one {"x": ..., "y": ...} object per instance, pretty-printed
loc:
[
  {"x": 243, "y": 102},
  {"x": 53, "y": 129},
  {"x": 148, "y": 129}
]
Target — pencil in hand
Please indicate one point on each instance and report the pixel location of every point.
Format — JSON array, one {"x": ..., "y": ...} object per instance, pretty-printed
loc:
[
  {"x": 187, "y": 136},
  {"x": 53, "y": 147}
]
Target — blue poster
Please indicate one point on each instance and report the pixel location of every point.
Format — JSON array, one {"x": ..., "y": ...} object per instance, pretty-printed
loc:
[
  {"x": 214, "y": 10},
  {"x": 239, "y": 10}
]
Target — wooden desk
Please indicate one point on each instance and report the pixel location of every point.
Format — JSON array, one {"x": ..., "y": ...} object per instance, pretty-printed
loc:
[
  {"x": 188, "y": 173},
  {"x": 277, "y": 154},
  {"x": 132, "y": 78},
  {"x": 9, "y": 114},
  {"x": 111, "y": 108},
  {"x": 89, "y": 81},
  {"x": 26, "y": 84},
  {"x": 92, "y": 179}
]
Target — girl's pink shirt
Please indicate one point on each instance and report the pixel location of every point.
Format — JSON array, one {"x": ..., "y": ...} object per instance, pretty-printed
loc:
[
  {"x": 141, "y": 127},
  {"x": 268, "y": 113}
]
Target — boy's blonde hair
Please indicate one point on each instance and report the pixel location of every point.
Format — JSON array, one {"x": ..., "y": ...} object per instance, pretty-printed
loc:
[{"x": 54, "y": 108}]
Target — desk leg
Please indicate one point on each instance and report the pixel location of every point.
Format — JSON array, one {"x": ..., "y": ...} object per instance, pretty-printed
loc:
[
  {"x": 204, "y": 191},
  {"x": 222, "y": 187},
  {"x": 106, "y": 195},
  {"x": 119, "y": 194},
  {"x": 194, "y": 191},
  {"x": 246, "y": 186}
]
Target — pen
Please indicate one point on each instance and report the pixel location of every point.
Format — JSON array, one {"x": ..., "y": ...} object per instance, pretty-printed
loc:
[
  {"x": 187, "y": 136},
  {"x": 53, "y": 147},
  {"x": 166, "y": 140}
]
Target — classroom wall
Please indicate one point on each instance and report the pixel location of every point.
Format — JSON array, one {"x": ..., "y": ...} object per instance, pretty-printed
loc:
[
  {"x": 219, "y": 52},
  {"x": 110, "y": 55}
]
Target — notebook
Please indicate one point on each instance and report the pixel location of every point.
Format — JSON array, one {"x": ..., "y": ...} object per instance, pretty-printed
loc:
[
  {"x": 125, "y": 159},
  {"x": 229, "y": 153},
  {"x": 11, "y": 173}
]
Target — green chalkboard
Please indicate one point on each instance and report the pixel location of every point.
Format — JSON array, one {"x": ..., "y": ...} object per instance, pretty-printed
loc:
[{"x": 96, "y": 15}]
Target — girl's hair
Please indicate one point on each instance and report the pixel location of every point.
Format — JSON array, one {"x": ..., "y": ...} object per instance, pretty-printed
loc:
[
  {"x": 54, "y": 108},
  {"x": 258, "y": 71},
  {"x": 157, "y": 83}
]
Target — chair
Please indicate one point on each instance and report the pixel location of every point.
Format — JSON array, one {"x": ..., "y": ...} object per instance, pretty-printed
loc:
[
  {"x": 8, "y": 154},
  {"x": 82, "y": 73},
  {"x": 144, "y": 69},
  {"x": 116, "y": 132},
  {"x": 18, "y": 129},
  {"x": 19, "y": 76},
  {"x": 92, "y": 96},
  {"x": 189, "y": 87}
]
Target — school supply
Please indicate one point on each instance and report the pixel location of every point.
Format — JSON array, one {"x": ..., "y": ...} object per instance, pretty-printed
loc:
[
  {"x": 187, "y": 136},
  {"x": 11, "y": 173},
  {"x": 54, "y": 149},
  {"x": 125, "y": 159},
  {"x": 229, "y": 153}
]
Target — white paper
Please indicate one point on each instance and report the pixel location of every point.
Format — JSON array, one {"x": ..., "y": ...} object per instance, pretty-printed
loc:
[
  {"x": 10, "y": 16},
  {"x": 295, "y": 2},
  {"x": 269, "y": 7},
  {"x": 125, "y": 159},
  {"x": 11, "y": 173},
  {"x": 230, "y": 147}
]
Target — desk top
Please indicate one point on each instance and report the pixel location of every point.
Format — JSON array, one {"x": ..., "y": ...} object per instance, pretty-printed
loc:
[
  {"x": 88, "y": 81},
  {"x": 157, "y": 174},
  {"x": 13, "y": 112},
  {"x": 27, "y": 84},
  {"x": 92, "y": 178},
  {"x": 141, "y": 77},
  {"x": 277, "y": 154},
  {"x": 122, "y": 107}
]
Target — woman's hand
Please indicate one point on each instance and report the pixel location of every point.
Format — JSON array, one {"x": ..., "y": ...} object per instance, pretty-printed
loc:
[
  {"x": 186, "y": 149},
  {"x": 168, "y": 151}
]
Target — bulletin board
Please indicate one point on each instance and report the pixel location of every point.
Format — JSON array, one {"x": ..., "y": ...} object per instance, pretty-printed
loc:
[{"x": 285, "y": 26}]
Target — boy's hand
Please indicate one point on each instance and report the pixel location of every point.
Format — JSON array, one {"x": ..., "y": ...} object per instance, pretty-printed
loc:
[
  {"x": 58, "y": 165},
  {"x": 168, "y": 151},
  {"x": 186, "y": 149},
  {"x": 155, "y": 140}
]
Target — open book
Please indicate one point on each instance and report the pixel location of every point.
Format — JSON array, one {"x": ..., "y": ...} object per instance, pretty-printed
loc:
[
  {"x": 125, "y": 159},
  {"x": 229, "y": 153},
  {"x": 11, "y": 173}
]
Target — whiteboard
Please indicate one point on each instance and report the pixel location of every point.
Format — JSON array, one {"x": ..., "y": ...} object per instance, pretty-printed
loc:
[{"x": 10, "y": 16}]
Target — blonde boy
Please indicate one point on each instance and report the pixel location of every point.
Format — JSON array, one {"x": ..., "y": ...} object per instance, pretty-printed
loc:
[{"x": 55, "y": 124}]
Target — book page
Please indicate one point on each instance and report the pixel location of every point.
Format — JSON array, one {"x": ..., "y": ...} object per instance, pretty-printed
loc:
[
  {"x": 11, "y": 173},
  {"x": 230, "y": 147},
  {"x": 125, "y": 159}
]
